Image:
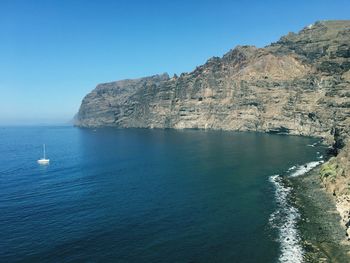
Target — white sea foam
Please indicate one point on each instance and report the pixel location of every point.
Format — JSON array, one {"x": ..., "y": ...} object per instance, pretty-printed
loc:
[
  {"x": 315, "y": 143},
  {"x": 302, "y": 169},
  {"x": 285, "y": 219},
  {"x": 292, "y": 168},
  {"x": 286, "y": 216}
]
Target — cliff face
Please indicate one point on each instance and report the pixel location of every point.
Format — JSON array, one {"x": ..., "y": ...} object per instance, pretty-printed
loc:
[{"x": 299, "y": 85}]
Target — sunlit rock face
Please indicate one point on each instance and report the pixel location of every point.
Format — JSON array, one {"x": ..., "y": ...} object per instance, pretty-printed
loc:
[{"x": 298, "y": 85}]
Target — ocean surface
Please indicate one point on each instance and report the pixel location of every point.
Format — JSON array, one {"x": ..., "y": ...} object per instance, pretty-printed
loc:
[{"x": 136, "y": 195}]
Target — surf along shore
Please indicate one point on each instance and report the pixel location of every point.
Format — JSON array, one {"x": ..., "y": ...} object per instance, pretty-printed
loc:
[{"x": 313, "y": 203}]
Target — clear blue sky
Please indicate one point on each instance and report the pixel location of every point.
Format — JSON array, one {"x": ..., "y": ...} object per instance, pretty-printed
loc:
[{"x": 52, "y": 53}]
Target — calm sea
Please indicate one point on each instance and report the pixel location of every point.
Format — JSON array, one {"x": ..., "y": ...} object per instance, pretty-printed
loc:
[{"x": 135, "y": 195}]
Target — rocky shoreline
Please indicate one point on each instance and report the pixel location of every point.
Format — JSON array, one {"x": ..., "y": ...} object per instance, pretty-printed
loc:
[{"x": 322, "y": 230}]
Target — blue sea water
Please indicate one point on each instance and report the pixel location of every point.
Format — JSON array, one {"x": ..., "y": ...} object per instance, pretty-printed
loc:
[{"x": 136, "y": 195}]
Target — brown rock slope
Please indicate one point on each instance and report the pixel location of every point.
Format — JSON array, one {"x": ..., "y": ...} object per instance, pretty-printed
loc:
[{"x": 299, "y": 85}]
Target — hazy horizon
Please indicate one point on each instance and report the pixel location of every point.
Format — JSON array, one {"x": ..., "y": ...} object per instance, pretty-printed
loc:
[
  {"x": 36, "y": 122},
  {"x": 55, "y": 52}
]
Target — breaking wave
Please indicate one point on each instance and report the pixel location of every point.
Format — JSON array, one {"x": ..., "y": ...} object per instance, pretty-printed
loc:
[
  {"x": 302, "y": 169},
  {"x": 286, "y": 216}
]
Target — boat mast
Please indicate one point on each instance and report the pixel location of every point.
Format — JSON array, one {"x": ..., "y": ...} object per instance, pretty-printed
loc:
[{"x": 44, "y": 152}]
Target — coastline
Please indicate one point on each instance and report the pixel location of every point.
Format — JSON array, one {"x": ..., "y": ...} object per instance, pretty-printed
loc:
[{"x": 322, "y": 234}]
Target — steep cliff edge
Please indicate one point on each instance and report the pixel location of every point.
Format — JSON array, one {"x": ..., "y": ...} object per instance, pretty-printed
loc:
[{"x": 299, "y": 85}]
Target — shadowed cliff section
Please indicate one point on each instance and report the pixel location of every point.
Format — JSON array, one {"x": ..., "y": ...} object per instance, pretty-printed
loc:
[{"x": 299, "y": 85}]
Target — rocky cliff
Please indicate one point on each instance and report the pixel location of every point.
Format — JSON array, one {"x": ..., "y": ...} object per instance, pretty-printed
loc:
[{"x": 299, "y": 85}]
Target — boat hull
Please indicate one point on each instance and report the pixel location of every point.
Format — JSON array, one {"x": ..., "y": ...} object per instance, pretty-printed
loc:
[{"x": 43, "y": 161}]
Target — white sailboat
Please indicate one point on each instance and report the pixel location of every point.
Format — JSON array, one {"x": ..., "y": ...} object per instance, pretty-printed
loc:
[{"x": 44, "y": 160}]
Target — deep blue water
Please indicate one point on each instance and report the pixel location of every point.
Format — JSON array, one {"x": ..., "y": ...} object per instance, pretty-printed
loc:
[{"x": 139, "y": 195}]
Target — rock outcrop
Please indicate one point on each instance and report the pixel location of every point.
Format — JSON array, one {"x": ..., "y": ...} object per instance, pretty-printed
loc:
[{"x": 299, "y": 85}]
